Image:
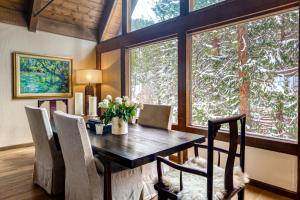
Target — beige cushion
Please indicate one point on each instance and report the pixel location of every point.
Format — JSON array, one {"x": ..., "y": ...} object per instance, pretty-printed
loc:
[
  {"x": 83, "y": 182},
  {"x": 49, "y": 169},
  {"x": 195, "y": 186},
  {"x": 157, "y": 116}
]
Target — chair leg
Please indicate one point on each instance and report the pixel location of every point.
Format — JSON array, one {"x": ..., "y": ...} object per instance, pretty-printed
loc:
[
  {"x": 241, "y": 194},
  {"x": 161, "y": 196}
]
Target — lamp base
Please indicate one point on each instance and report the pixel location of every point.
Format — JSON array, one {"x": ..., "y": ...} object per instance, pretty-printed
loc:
[{"x": 89, "y": 90}]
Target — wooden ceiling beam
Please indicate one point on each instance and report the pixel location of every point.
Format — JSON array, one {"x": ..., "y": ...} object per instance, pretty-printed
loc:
[
  {"x": 34, "y": 6},
  {"x": 108, "y": 9},
  {"x": 43, "y": 8},
  {"x": 71, "y": 30},
  {"x": 10, "y": 16}
]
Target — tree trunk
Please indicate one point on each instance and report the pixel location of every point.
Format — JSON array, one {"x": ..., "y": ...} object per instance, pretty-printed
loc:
[
  {"x": 243, "y": 58},
  {"x": 279, "y": 113}
]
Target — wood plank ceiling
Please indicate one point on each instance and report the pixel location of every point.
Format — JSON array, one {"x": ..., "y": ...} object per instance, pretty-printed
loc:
[{"x": 75, "y": 18}]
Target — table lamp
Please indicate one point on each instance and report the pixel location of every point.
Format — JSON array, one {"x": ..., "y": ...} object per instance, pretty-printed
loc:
[{"x": 88, "y": 77}]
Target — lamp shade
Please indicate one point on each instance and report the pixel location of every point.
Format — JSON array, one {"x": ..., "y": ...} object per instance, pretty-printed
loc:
[{"x": 87, "y": 76}]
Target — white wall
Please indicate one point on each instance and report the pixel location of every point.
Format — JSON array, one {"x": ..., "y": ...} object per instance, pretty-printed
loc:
[
  {"x": 267, "y": 166},
  {"x": 14, "y": 127}
]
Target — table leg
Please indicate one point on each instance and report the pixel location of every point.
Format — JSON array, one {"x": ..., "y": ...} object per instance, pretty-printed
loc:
[
  {"x": 107, "y": 180},
  {"x": 185, "y": 155}
]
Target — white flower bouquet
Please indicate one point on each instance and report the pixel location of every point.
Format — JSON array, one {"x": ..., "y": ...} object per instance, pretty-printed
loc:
[{"x": 122, "y": 108}]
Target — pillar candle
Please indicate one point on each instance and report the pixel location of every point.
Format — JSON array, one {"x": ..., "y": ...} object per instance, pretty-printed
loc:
[
  {"x": 78, "y": 103},
  {"x": 92, "y": 106}
]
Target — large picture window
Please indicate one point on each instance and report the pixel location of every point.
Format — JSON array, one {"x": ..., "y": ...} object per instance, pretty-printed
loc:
[
  {"x": 249, "y": 68},
  {"x": 149, "y": 12},
  {"x": 153, "y": 74}
]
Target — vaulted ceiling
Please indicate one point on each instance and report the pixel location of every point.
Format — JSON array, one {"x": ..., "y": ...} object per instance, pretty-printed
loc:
[{"x": 75, "y": 18}]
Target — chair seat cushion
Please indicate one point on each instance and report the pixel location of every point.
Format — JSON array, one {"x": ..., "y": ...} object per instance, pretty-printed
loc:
[{"x": 194, "y": 186}]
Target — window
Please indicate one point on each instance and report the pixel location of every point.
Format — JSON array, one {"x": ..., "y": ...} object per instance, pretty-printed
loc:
[
  {"x": 148, "y": 12},
  {"x": 249, "y": 68},
  {"x": 199, "y": 4},
  {"x": 153, "y": 74}
]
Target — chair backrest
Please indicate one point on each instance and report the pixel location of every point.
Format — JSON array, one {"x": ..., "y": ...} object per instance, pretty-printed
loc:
[
  {"x": 213, "y": 127},
  {"x": 42, "y": 134},
  {"x": 77, "y": 153},
  {"x": 157, "y": 116},
  {"x": 53, "y": 104}
]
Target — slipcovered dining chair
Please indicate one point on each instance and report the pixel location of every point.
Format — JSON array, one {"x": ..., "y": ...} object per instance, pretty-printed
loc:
[
  {"x": 201, "y": 179},
  {"x": 84, "y": 172},
  {"x": 49, "y": 168},
  {"x": 156, "y": 116}
]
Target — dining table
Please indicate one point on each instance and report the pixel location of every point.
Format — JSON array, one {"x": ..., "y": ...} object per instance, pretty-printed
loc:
[{"x": 141, "y": 145}]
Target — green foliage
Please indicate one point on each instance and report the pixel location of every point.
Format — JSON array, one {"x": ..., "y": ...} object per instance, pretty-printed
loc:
[
  {"x": 140, "y": 23},
  {"x": 166, "y": 9},
  {"x": 161, "y": 11},
  {"x": 271, "y": 66},
  {"x": 198, "y": 4},
  {"x": 154, "y": 74}
]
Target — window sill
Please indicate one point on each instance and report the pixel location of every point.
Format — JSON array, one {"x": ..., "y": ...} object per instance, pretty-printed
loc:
[{"x": 271, "y": 144}]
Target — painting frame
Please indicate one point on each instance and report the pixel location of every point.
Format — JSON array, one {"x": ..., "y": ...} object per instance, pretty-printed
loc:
[{"x": 17, "y": 85}]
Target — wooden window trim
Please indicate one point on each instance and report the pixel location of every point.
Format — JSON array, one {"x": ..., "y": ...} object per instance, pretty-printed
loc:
[
  {"x": 214, "y": 16},
  {"x": 230, "y": 11},
  {"x": 261, "y": 142},
  {"x": 184, "y": 115}
]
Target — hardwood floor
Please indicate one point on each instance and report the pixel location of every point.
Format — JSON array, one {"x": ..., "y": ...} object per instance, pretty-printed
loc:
[{"x": 16, "y": 168}]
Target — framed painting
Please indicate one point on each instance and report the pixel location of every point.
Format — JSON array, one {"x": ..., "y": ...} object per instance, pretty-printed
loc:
[{"x": 39, "y": 76}]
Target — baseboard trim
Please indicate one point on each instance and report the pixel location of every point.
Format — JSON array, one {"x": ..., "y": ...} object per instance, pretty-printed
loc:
[
  {"x": 16, "y": 146},
  {"x": 273, "y": 189}
]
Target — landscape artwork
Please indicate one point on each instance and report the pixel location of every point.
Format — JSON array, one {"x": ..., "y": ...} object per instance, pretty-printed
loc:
[{"x": 38, "y": 76}]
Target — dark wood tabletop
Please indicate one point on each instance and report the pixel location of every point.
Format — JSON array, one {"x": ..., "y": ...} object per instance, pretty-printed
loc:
[{"x": 141, "y": 145}]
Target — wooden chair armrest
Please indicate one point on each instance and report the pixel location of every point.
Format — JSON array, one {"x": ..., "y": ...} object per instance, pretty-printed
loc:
[
  {"x": 228, "y": 119},
  {"x": 178, "y": 167}
]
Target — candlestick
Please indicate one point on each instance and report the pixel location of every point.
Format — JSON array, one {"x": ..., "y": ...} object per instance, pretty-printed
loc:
[
  {"x": 93, "y": 106},
  {"x": 78, "y": 103}
]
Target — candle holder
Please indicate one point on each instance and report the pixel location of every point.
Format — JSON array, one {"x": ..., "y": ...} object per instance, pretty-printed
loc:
[
  {"x": 92, "y": 113},
  {"x": 89, "y": 77}
]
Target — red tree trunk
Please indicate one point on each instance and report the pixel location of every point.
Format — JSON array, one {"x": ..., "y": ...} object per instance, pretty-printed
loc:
[{"x": 243, "y": 58}]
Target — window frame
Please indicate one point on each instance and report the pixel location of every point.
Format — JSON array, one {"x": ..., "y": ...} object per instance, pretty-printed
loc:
[
  {"x": 162, "y": 31},
  {"x": 277, "y": 144}
]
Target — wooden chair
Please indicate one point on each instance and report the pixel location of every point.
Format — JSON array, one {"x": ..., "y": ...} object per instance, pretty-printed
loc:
[
  {"x": 53, "y": 105},
  {"x": 164, "y": 191}
]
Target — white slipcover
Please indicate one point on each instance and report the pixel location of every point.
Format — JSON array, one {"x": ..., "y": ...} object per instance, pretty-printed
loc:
[
  {"x": 82, "y": 180},
  {"x": 156, "y": 116},
  {"x": 49, "y": 169}
]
